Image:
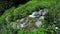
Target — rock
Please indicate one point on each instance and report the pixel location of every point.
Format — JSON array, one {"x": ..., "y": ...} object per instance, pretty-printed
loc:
[
  {"x": 22, "y": 25},
  {"x": 35, "y": 13},
  {"x": 38, "y": 23},
  {"x": 18, "y": 20},
  {"x": 44, "y": 11},
  {"x": 22, "y": 19},
  {"x": 41, "y": 18},
  {"x": 40, "y": 12},
  {"x": 32, "y": 16}
]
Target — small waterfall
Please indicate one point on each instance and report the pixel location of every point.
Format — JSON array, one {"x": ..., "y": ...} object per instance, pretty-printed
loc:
[{"x": 31, "y": 21}]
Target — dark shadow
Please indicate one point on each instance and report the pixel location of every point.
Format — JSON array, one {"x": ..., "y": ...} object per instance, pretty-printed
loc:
[{"x": 6, "y": 4}]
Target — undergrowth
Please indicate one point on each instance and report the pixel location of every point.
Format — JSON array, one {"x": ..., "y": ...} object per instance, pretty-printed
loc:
[{"x": 26, "y": 9}]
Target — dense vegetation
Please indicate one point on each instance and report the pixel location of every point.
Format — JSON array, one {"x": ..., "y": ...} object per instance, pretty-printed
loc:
[
  {"x": 6, "y": 4},
  {"x": 52, "y": 18}
]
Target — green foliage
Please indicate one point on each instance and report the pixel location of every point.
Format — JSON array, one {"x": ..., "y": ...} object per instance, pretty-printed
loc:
[
  {"x": 8, "y": 12},
  {"x": 28, "y": 8}
]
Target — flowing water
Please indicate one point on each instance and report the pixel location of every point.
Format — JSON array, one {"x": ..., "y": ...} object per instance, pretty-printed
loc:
[{"x": 30, "y": 22}]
